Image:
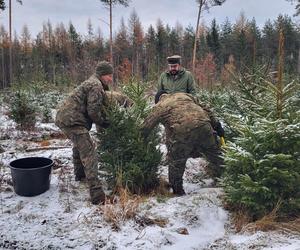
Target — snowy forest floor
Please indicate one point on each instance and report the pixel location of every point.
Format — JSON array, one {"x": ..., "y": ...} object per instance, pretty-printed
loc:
[{"x": 63, "y": 217}]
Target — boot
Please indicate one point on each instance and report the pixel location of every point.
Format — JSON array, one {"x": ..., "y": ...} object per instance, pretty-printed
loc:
[
  {"x": 78, "y": 166},
  {"x": 178, "y": 191},
  {"x": 79, "y": 171},
  {"x": 178, "y": 188},
  {"x": 79, "y": 177},
  {"x": 97, "y": 195}
]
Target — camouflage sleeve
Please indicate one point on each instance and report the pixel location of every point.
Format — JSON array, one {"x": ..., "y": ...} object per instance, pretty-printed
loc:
[
  {"x": 160, "y": 85},
  {"x": 155, "y": 117},
  {"x": 213, "y": 120},
  {"x": 191, "y": 89},
  {"x": 120, "y": 98},
  {"x": 124, "y": 100},
  {"x": 95, "y": 104}
]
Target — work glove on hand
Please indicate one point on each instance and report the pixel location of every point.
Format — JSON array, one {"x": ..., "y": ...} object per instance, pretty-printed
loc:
[
  {"x": 219, "y": 129},
  {"x": 158, "y": 94}
]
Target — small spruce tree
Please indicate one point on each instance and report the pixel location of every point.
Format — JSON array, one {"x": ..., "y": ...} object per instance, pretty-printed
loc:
[
  {"x": 22, "y": 110},
  {"x": 262, "y": 163},
  {"x": 126, "y": 157}
]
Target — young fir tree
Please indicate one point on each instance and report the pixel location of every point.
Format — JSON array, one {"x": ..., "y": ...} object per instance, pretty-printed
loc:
[
  {"x": 263, "y": 164},
  {"x": 22, "y": 109},
  {"x": 127, "y": 158}
]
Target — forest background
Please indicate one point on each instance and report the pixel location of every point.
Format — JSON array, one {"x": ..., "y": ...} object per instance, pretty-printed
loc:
[{"x": 60, "y": 55}]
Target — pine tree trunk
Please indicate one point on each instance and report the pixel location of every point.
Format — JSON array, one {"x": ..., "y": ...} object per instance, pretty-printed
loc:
[
  {"x": 280, "y": 75},
  {"x": 110, "y": 32},
  {"x": 196, "y": 35},
  {"x": 2, "y": 66},
  {"x": 137, "y": 65},
  {"x": 254, "y": 52},
  {"x": 54, "y": 74},
  {"x": 10, "y": 46},
  {"x": 298, "y": 68}
]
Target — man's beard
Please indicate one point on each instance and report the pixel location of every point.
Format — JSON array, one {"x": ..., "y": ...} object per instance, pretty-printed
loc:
[{"x": 174, "y": 72}]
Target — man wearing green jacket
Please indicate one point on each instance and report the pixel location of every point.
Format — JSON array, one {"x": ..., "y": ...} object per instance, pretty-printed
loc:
[{"x": 176, "y": 78}]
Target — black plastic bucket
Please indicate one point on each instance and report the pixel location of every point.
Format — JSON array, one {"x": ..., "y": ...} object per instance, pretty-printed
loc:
[{"x": 31, "y": 175}]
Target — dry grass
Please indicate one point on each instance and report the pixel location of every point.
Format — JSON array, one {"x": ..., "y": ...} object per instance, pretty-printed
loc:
[
  {"x": 163, "y": 188},
  {"x": 119, "y": 209},
  {"x": 126, "y": 206},
  {"x": 57, "y": 135},
  {"x": 65, "y": 187},
  {"x": 240, "y": 219},
  {"x": 266, "y": 223},
  {"x": 148, "y": 221},
  {"x": 44, "y": 143},
  {"x": 269, "y": 222}
]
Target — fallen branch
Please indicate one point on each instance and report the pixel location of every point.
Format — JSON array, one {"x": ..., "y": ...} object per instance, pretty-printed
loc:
[{"x": 45, "y": 148}]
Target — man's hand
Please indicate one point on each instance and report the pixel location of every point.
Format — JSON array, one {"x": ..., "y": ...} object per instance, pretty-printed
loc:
[
  {"x": 158, "y": 95},
  {"x": 219, "y": 129}
]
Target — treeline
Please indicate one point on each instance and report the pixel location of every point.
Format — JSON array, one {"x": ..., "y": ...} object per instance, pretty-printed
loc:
[{"x": 60, "y": 55}]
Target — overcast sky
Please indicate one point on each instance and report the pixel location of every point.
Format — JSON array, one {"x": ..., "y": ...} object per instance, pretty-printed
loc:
[{"x": 35, "y": 12}]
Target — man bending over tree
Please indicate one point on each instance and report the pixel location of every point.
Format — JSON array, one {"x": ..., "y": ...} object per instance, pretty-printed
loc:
[{"x": 189, "y": 133}]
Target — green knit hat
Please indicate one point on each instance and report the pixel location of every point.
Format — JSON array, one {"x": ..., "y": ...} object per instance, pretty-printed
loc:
[{"x": 104, "y": 68}]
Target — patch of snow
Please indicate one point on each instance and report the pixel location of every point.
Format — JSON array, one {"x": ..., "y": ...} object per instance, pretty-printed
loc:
[
  {"x": 63, "y": 217},
  {"x": 47, "y": 127}
]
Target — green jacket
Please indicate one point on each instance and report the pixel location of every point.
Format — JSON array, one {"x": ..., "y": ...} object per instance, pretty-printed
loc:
[{"x": 181, "y": 82}]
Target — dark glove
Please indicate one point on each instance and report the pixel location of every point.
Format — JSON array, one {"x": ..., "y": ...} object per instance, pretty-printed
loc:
[
  {"x": 158, "y": 94},
  {"x": 219, "y": 129},
  {"x": 105, "y": 124}
]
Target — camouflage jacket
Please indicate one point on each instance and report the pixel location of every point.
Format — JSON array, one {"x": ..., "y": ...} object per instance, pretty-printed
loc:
[
  {"x": 181, "y": 82},
  {"x": 179, "y": 113},
  {"x": 119, "y": 98},
  {"x": 84, "y": 106}
]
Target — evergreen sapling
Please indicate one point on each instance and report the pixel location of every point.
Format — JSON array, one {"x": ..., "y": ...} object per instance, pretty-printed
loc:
[{"x": 125, "y": 156}]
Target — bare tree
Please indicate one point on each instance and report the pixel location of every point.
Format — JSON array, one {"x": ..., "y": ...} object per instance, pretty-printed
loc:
[
  {"x": 206, "y": 5},
  {"x": 10, "y": 41},
  {"x": 2, "y": 63},
  {"x": 110, "y": 4}
]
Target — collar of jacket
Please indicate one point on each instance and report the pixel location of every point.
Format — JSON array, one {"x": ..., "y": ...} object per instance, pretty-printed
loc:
[
  {"x": 179, "y": 73},
  {"x": 105, "y": 86}
]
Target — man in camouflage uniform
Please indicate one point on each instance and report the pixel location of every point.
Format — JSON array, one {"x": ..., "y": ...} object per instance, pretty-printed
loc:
[
  {"x": 188, "y": 132},
  {"x": 75, "y": 117},
  {"x": 176, "y": 78}
]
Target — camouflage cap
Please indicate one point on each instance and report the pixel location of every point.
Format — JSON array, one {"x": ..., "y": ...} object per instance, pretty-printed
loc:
[
  {"x": 175, "y": 59},
  {"x": 104, "y": 68}
]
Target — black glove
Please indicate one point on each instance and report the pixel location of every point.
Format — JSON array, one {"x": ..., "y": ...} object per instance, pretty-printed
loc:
[
  {"x": 158, "y": 94},
  {"x": 219, "y": 129},
  {"x": 105, "y": 124}
]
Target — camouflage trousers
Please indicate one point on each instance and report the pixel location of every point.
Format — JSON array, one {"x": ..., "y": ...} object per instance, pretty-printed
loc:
[
  {"x": 85, "y": 158},
  {"x": 199, "y": 142}
]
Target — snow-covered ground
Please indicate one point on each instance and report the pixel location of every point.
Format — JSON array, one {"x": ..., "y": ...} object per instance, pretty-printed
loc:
[{"x": 63, "y": 217}]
